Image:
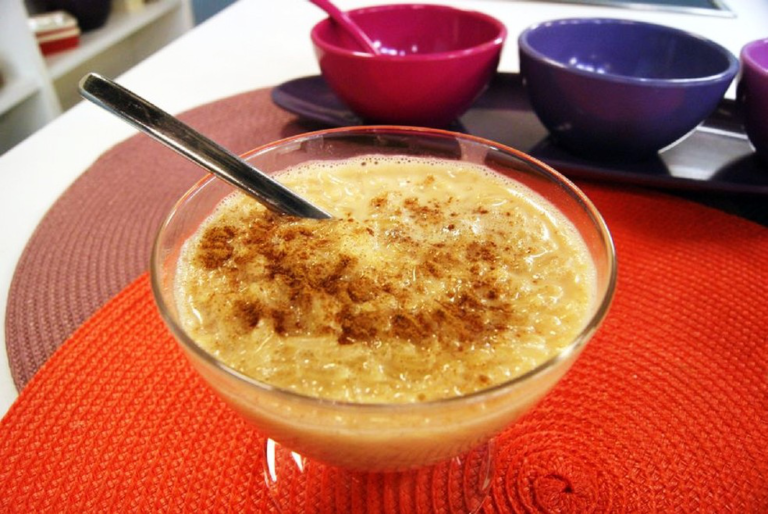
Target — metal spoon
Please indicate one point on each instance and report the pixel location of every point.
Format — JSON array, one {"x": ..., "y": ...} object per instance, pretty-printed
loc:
[
  {"x": 196, "y": 147},
  {"x": 346, "y": 23}
]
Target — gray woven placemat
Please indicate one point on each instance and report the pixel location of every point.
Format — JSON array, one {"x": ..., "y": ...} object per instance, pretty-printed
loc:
[{"x": 97, "y": 237}]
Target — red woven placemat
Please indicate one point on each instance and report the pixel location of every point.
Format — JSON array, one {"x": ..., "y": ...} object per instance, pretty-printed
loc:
[
  {"x": 665, "y": 411},
  {"x": 96, "y": 238}
]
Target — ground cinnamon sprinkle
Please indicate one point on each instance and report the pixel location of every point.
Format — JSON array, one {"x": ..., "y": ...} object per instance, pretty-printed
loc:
[
  {"x": 216, "y": 247},
  {"x": 404, "y": 281},
  {"x": 306, "y": 267}
]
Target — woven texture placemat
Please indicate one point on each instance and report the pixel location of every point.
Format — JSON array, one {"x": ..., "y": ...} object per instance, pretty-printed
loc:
[
  {"x": 665, "y": 411},
  {"x": 97, "y": 237}
]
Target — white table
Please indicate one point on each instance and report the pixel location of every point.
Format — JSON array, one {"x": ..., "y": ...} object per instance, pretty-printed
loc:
[{"x": 250, "y": 45}]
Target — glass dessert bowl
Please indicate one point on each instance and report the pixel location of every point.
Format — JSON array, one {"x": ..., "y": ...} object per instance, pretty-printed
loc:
[{"x": 385, "y": 436}]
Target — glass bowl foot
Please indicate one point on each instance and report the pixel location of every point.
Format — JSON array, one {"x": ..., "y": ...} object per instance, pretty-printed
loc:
[{"x": 297, "y": 485}]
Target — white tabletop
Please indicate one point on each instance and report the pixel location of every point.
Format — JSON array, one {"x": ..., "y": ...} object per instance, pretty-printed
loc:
[{"x": 252, "y": 44}]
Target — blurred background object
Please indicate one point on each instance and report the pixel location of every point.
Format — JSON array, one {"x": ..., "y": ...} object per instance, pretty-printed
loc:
[
  {"x": 711, "y": 7},
  {"x": 55, "y": 31},
  {"x": 90, "y": 14},
  {"x": 43, "y": 55},
  {"x": 204, "y": 9}
]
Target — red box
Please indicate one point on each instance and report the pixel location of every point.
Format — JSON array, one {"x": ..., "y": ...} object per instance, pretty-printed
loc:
[{"x": 55, "y": 31}]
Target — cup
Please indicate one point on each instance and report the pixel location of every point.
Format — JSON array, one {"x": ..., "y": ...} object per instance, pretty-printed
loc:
[
  {"x": 621, "y": 90},
  {"x": 753, "y": 94},
  {"x": 308, "y": 433},
  {"x": 435, "y": 61}
]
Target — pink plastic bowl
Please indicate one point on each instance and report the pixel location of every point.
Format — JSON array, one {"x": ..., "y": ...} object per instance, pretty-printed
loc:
[{"x": 435, "y": 62}]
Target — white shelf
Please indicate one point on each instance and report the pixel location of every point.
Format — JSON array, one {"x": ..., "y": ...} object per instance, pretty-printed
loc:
[
  {"x": 119, "y": 26},
  {"x": 15, "y": 91},
  {"x": 37, "y": 89},
  {"x": 27, "y": 100}
]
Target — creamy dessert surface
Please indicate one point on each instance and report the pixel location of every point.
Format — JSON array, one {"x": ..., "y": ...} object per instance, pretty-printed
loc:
[{"x": 434, "y": 279}]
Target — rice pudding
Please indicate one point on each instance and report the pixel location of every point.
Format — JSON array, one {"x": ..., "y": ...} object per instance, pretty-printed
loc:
[{"x": 435, "y": 279}]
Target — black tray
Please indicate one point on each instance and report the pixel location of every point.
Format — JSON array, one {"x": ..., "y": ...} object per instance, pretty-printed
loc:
[{"x": 716, "y": 157}]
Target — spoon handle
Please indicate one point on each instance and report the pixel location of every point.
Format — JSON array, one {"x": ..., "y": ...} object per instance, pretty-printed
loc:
[
  {"x": 196, "y": 147},
  {"x": 348, "y": 25}
]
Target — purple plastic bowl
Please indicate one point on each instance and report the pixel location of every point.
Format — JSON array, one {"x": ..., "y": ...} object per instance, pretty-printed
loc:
[
  {"x": 621, "y": 89},
  {"x": 436, "y": 61},
  {"x": 753, "y": 93}
]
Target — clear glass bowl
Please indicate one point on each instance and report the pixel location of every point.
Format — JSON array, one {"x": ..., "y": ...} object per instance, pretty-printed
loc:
[{"x": 383, "y": 437}]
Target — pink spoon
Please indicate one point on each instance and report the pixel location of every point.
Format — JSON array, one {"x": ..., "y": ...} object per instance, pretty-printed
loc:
[{"x": 347, "y": 24}]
